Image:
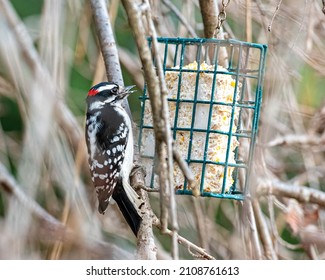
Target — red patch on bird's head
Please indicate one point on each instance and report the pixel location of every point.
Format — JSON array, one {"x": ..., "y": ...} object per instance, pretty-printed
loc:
[{"x": 92, "y": 92}]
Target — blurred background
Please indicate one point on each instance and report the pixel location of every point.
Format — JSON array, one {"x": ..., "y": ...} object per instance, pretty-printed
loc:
[{"x": 49, "y": 58}]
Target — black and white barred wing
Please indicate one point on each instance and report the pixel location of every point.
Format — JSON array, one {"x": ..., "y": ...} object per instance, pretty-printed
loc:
[{"x": 106, "y": 155}]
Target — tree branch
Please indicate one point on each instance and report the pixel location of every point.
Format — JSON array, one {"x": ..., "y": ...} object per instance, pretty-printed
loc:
[
  {"x": 200, "y": 252},
  {"x": 146, "y": 245},
  {"x": 253, "y": 229},
  {"x": 157, "y": 93},
  {"x": 300, "y": 193},
  {"x": 263, "y": 231},
  {"x": 304, "y": 140},
  {"x": 108, "y": 44},
  {"x": 209, "y": 10},
  {"x": 167, "y": 192}
]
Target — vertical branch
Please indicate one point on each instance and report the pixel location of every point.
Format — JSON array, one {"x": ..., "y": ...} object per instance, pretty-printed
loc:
[
  {"x": 158, "y": 93},
  {"x": 263, "y": 231},
  {"x": 106, "y": 41},
  {"x": 107, "y": 44},
  {"x": 146, "y": 246},
  {"x": 249, "y": 21},
  {"x": 200, "y": 220},
  {"x": 209, "y": 12},
  {"x": 269, "y": 28},
  {"x": 167, "y": 193},
  {"x": 253, "y": 230}
]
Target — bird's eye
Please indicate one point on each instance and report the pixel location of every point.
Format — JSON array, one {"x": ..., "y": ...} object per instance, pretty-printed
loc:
[{"x": 114, "y": 90}]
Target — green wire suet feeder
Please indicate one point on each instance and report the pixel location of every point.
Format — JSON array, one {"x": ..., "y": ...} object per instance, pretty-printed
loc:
[{"x": 214, "y": 98}]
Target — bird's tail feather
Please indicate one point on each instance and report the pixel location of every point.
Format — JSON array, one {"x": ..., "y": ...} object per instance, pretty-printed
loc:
[{"x": 127, "y": 208}]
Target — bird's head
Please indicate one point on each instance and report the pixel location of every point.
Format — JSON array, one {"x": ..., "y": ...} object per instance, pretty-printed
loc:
[{"x": 108, "y": 92}]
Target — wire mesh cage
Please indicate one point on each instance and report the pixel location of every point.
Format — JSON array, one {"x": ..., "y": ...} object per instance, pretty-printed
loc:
[{"x": 214, "y": 98}]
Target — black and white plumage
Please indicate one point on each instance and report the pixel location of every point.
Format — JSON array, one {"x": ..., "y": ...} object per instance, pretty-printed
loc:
[{"x": 110, "y": 147}]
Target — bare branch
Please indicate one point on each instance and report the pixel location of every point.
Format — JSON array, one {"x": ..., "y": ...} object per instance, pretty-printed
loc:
[
  {"x": 209, "y": 10},
  {"x": 146, "y": 248},
  {"x": 297, "y": 140},
  {"x": 277, "y": 8},
  {"x": 186, "y": 171},
  {"x": 106, "y": 41},
  {"x": 201, "y": 225},
  {"x": 167, "y": 192},
  {"x": 248, "y": 18},
  {"x": 134, "y": 10},
  {"x": 300, "y": 193},
  {"x": 263, "y": 231},
  {"x": 201, "y": 253},
  {"x": 253, "y": 230},
  {"x": 107, "y": 44}
]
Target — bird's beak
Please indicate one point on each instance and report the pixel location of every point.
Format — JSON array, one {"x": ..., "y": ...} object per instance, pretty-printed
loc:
[{"x": 124, "y": 92}]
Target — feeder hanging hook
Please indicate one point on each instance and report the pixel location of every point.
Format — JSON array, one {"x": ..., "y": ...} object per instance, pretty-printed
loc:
[{"x": 222, "y": 16}]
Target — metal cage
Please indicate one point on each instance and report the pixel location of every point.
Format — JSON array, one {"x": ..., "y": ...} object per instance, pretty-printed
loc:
[{"x": 215, "y": 94}]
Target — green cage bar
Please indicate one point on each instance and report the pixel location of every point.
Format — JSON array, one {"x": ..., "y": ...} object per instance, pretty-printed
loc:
[{"x": 207, "y": 77}]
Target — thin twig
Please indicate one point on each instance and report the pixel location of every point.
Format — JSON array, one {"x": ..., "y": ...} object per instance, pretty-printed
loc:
[
  {"x": 263, "y": 231},
  {"x": 183, "y": 241},
  {"x": 304, "y": 140},
  {"x": 253, "y": 229},
  {"x": 201, "y": 225},
  {"x": 274, "y": 230},
  {"x": 300, "y": 193},
  {"x": 186, "y": 171},
  {"x": 148, "y": 189},
  {"x": 11, "y": 186},
  {"x": 274, "y": 15},
  {"x": 249, "y": 21}
]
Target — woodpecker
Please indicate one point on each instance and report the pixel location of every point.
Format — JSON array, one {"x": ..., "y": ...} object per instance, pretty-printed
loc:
[{"x": 109, "y": 141}]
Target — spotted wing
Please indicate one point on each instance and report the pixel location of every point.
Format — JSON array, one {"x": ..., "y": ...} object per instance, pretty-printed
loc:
[{"x": 105, "y": 160}]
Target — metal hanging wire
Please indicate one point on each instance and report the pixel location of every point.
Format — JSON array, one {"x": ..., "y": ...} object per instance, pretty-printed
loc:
[{"x": 221, "y": 16}]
